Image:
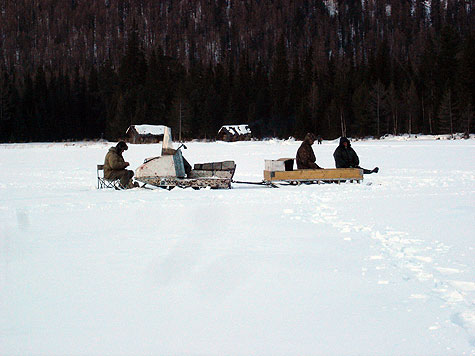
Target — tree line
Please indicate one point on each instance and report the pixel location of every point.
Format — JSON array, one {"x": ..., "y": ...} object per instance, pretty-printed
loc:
[{"x": 89, "y": 69}]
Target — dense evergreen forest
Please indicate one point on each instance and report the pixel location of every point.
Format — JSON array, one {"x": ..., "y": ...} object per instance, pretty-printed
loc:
[{"x": 85, "y": 69}]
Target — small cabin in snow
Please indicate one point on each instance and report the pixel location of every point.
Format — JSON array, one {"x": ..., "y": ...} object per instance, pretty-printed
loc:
[
  {"x": 145, "y": 133},
  {"x": 231, "y": 133}
]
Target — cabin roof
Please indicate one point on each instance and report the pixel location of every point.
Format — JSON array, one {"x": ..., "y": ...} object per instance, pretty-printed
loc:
[
  {"x": 148, "y": 129},
  {"x": 237, "y": 129}
]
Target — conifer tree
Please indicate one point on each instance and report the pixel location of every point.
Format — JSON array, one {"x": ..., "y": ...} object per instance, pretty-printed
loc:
[
  {"x": 181, "y": 116},
  {"x": 279, "y": 81},
  {"x": 262, "y": 111},
  {"x": 360, "y": 103},
  {"x": 465, "y": 109},
  {"x": 412, "y": 107},
  {"x": 7, "y": 106},
  {"x": 96, "y": 111},
  {"x": 393, "y": 107},
  {"x": 131, "y": 76},
  {"x": 378, "y": 106},
  {"x": 447, "y": 113},
  {"x": 40, "y": 119}
]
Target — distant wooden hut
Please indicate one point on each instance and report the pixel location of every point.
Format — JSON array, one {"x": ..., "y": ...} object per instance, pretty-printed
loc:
[
  {"x": 145, "y": 133},
  {"x": 231, "y": 133}
]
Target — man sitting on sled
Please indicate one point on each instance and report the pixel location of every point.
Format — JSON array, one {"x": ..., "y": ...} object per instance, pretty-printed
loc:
[
  {"x": 305, "y": 155},
  {"x": 346, "y": 157}
]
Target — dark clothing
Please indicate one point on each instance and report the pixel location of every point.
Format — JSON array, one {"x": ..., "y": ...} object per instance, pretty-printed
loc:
[
  {"x": 114, "y": 167},
  {"x": 113, "y": 162},
  {"x": 125, "y": 175},
  {"x": 368, "y": 171},
  {"x": 306, "y": 157},
  {"x": 345, "y": 157}
]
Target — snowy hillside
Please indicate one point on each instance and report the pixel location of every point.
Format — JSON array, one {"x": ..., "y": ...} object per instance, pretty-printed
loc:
[{"x": 386, "y": 267}]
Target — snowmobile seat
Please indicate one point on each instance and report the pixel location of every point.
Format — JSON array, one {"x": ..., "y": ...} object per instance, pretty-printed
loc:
[{"x": 106, "y": 183}]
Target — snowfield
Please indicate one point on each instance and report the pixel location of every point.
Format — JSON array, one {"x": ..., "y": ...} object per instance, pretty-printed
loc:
[{"x": 386, "y": 267}]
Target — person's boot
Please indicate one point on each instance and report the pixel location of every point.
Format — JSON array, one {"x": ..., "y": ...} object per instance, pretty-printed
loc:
[{"x": 132, "y": 185}]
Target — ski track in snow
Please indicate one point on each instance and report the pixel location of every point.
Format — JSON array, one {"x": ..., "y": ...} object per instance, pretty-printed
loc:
[{"x": 419, "y": 259}]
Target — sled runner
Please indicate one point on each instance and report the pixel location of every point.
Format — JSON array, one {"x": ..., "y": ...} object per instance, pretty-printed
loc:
[
  {"x": 281, "y": 170},
  {"x": 168, "y": 170}
]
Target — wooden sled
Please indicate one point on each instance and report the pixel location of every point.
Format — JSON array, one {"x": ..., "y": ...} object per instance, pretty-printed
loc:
[{"x": 281, "y": 170}]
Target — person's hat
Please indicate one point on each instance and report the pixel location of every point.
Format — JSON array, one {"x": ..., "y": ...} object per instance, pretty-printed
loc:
[
  {"x": 344, "y": 139},
  {"x": 122, "y": 146},
  {"x": 310, "y": 137}
]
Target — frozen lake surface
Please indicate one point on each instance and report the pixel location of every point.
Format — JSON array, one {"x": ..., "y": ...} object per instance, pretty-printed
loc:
[{"x": 386, "y": 267}]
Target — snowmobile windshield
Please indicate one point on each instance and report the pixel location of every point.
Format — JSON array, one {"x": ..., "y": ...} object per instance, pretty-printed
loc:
[{"x": 167, "y": 144}]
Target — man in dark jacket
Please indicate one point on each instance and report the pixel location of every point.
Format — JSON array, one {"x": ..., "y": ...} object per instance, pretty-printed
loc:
[
  {"x": 305, "y": 155},
  {"x": 114, "y": 166},
  {"x": 346, "y": 157}
]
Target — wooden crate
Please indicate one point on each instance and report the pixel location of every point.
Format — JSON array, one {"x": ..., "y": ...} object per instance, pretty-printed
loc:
[
  {"x": 282, "y": 164},
  {"x": 306, "y": 175}
]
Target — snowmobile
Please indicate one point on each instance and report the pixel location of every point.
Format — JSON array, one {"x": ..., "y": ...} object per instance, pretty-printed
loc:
[{"x": 171, "y": 170}]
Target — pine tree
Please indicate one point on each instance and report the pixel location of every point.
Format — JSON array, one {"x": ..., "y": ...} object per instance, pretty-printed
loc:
[
  {"x": 466, "y": 78},
  {"x": 78, "y": 101},
  {"x": 435, "y": 11},
  {"x": 279, "y": 81},
  {"x": 41, "y": 123},
  {"x": 121, "y": 120},
  {"x": 466, "y": 115},
  {"x": 447, "y": 113},
  {"x": 449, "y": 45},
  {"x": 7, "y": 107},
  {"x": 133, "y": 66},
  {"x": 262, "y": 111},
  {"x": 27, "y": 110},
  {"x": 412, "y": 107},
  {"x": 425, "y": 75},
  {"x": 239, "y": 97},
  {"x": 393, "y": 106},
  {"x": 378, "y": 105},
  {"x": 298, "y": 106},
  {"x": 108, "y": 89},
  {"x": 341, "y": 93},
  {"x": 221, "y": 86},
  {"x": 360, "y": 103},
  {"x": 313, "y": 104},
  {"x": 132, "y": 73},
  {"x": 95, "y": 107},
  {"x": 181, "y": 117}
]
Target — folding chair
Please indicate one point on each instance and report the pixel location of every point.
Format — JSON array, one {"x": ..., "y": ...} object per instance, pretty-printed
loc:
[{"x": 106, "y": 183}]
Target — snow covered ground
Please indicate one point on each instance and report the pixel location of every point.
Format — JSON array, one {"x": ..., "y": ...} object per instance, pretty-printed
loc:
[{"x": 386, "y": 268}]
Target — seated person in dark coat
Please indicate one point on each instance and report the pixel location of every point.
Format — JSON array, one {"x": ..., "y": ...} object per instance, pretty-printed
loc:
[
  {"x": 114, "y": 166},
  {"x": 305, "y": 156},
  {"x": 346, "y": 157}
]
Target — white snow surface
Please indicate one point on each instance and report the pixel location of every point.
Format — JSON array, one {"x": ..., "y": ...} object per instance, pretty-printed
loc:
[
  {"x": 149, "y": 129},
  {"x": 386, "y": 267}
]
